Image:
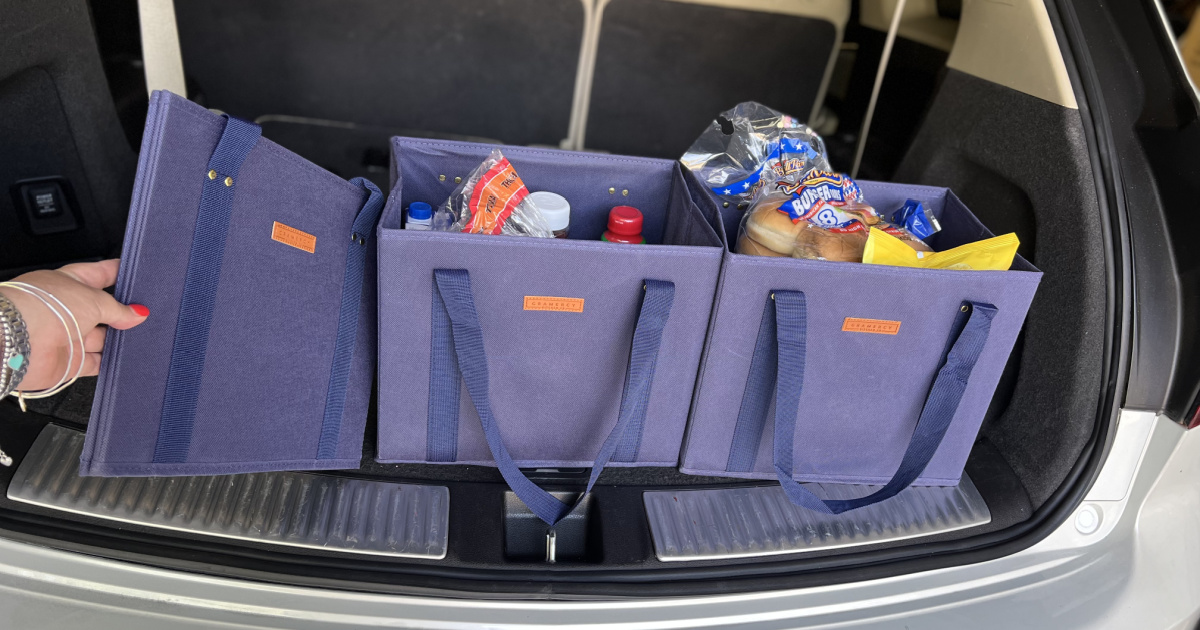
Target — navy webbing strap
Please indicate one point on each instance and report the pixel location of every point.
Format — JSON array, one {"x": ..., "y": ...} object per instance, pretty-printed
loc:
[
  {"x": 784, "y": 330},
  {"x": 459, "y": 333},
  {"x": 200, "y": 289},
  {"x": 441, "y": 425},
  {"x": 752, "y": 416},
  {"x": 361, "y": 235}
]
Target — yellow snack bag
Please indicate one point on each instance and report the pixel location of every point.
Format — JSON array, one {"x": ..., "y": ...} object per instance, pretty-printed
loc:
[{"x": 993, "y": 254}]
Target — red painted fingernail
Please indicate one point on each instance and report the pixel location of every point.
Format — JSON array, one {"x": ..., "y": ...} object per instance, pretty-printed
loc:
[{"x": 142, "y": 311}]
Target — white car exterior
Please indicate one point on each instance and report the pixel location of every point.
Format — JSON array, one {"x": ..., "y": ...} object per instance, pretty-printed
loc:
[{"x": 1129, "y": 557}]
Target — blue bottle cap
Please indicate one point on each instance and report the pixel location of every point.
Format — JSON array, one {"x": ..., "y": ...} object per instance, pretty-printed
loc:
[{"x": 419, "y": 211}]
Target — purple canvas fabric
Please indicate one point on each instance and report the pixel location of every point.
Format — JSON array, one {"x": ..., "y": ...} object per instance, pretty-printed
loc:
[
  {"x": 270, "y": 346},
  {"x": 862, "y": 393},
  {"x": 555, "y": 378}
]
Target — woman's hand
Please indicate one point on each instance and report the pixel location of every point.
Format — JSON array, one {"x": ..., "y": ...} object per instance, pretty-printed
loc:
[{"x": 80, "y": 288}]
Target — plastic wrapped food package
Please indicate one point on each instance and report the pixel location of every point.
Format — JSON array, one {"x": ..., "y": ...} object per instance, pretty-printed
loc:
[
  {"x": 758, "y": 158},
  {"x": 492, "y": 200},
  {"x": 822, "y": 216},
  {"x": 750, "y": 146},
  {"x": 992, "y": 254},
  {"x": 769, "y": 230}
]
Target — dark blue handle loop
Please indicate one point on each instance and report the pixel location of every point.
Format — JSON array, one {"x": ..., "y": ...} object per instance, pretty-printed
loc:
[
  {"x": 196, "y": 307},
  {"x": 362, "y": 232},
  {"x": 785, "y": 319},
  {"x": 463, "y": 339}
]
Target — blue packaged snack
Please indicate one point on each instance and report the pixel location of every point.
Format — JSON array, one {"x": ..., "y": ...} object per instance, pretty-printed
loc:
[{"x": 915, "y": 218}]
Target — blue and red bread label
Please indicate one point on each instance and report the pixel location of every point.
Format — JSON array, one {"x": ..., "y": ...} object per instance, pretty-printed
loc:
[{"x": 818, "y": 196}]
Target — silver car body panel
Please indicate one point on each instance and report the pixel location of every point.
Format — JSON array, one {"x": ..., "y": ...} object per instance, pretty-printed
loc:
[
  {"x": 283, "y": 508},
  {"x": 747, "y": 522},
  {"x": 1138, "y": 566}
]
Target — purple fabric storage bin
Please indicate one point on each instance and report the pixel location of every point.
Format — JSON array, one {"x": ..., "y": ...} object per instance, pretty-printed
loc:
[
  {"x": 556, "y": 381},
  {"x": 860, "y": 393},
  {"x": 259, "y": 350}
]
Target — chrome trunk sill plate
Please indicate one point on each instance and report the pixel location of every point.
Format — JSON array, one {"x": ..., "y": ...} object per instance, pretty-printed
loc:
[
  {"x": 727, "y": 523},
  {"x": 281, "y": 508}
]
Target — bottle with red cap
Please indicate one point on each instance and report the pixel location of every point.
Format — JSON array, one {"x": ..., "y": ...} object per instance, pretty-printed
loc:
[{"x": 624, "y": 226}]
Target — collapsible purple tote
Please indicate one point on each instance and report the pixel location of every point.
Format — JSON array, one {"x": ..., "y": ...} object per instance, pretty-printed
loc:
[
  {"x": 257, "y": 267},
  {"x": 850, "y": 373},
  {"x": 471, "y": 371}
]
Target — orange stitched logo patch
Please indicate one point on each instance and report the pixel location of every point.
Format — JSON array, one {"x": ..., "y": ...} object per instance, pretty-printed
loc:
[
  {"x": 557, "y": 304},
  {"x": 877, "y": 326},
  {"x": 293, "y": 237}
]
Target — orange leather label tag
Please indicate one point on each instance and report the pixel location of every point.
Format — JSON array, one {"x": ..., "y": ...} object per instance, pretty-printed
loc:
[
  {"x": 291, "y": 236},
  {"x": 877, "y": 326},
  {"x": 558, "y": 304}
]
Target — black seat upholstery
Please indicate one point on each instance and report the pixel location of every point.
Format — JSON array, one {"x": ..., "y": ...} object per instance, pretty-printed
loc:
[
  {"x": 665, "y": 68},
  {"x": 502, "y": 69},
  {"x": 58, "y": 123}
]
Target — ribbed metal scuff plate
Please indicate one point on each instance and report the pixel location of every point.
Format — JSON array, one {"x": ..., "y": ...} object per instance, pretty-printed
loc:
[
  {"x": 725, "y": 523},
  {"x": 283, "y": 508}
]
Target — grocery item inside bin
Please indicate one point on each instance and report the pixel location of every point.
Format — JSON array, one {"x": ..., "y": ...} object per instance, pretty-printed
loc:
[
  {"x": 492, "y": 200},
  {"x": 624, "y": 226},
  {"x": 822, "y": 217},
  {"x": 555, "y": 209},
  {"x": 993, "y": 254},
  {"x": 744, "y": 145},
  {"x": 796, "y": 206}
]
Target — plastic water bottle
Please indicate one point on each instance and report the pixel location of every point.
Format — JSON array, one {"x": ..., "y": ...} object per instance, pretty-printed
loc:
[{"x": 419, "y": 216}]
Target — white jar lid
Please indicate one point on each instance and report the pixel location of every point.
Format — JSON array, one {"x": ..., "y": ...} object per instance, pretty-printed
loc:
[{"x": 554, "y": 207}]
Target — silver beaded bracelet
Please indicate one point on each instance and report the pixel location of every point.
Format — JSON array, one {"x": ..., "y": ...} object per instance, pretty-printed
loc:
[
  {"x": 14, "y": 362},
  {"x": 62, "y": 314}
]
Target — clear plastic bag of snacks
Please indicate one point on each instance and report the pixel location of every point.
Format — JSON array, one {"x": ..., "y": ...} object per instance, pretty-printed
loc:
[{"x": 492, "y": 200}]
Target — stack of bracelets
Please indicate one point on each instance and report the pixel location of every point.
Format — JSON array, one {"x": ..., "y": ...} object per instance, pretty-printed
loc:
[{"x": 14, "y": 362}]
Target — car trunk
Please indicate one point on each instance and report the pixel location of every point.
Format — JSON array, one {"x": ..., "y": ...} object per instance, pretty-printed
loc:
[{"x": 1018, "y": 161}]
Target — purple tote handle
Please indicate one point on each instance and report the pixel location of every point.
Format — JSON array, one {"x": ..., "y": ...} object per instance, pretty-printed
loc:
[
  {"x": 457, "y": 335},
  {"x": 778, "y": 363}
]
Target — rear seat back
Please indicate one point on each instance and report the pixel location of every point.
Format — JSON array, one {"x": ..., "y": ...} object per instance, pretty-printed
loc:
[
  {"x": 664, "y": 68},
  {"x": 499, "y": 69}
]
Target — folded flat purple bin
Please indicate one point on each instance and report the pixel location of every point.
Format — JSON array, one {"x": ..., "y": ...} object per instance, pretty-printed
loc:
[{"x": 269, "y": 364}]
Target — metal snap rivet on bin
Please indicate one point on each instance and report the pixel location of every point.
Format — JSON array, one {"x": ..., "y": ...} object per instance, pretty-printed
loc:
[
  {"x": 457, "y": 180},
  {"x": 725, "y": 204},
  {"x": 362, "y": 241},
  {"x": 965, "y": 308},
  {"x": 353, "y": 237},
  {"x": 228, "y": 181},
  {"x": 212, "y": 174},
  {"x": 624, "y": 193},
  {"x": 772, "y": 295},
  {"x": 612, "y": 191},
  {"x": 441, "y": 178}
]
